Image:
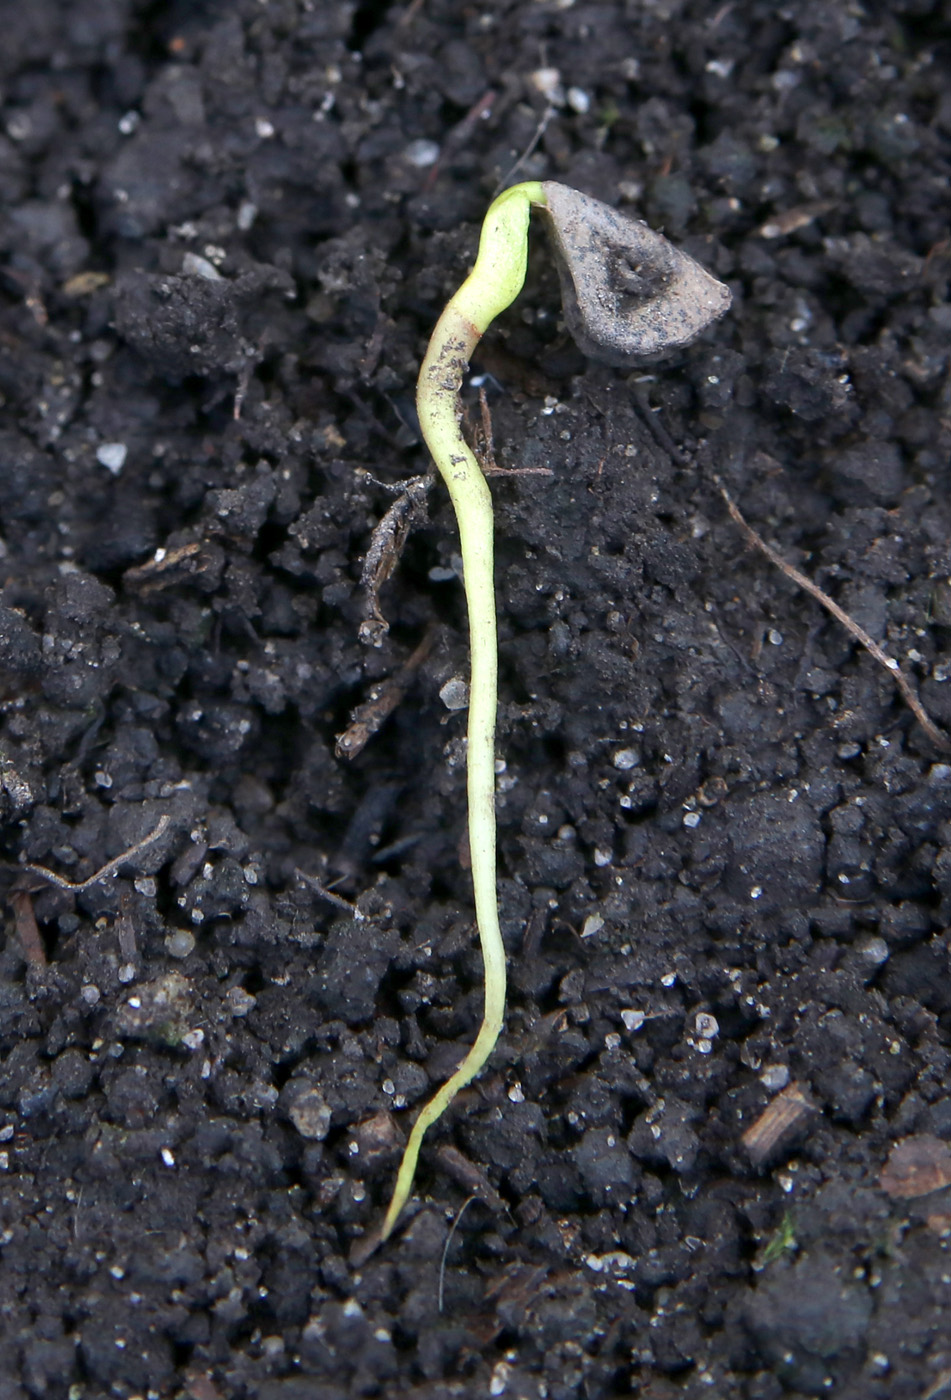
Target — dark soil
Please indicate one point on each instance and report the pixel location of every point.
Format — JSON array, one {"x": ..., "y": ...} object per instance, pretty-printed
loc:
[{"x": 725, "y": 844}]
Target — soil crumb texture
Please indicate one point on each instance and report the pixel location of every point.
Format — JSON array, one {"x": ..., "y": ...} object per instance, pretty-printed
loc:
[{"x": 711, "y": 1154}]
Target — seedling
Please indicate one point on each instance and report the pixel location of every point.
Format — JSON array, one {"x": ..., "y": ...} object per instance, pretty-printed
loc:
[{"x": 628, "y": 296}]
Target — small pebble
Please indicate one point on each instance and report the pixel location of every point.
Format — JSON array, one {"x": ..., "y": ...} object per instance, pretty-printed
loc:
[
  {"x": 547, "y": 81},
  {"x": 240, "y": 1001},
  {"x": 455, "y": 694},
  {"x": 774, "y": 1077},
  {"x": 112, "y": 455},
  {"x": 195, "y": 266},
  {"x": 310, "y": 1113},
  {"x": 625, "y": 759},
  {"x": 180, "y": 943},
  {"x": 421, "y": 153}
]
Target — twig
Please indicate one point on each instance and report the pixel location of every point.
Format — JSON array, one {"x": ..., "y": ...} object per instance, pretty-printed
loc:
[
  {"x": 110, "y": 868},
  {"x": 942, "y": 1383},
  {"x": 460, "y": 134},
  {"x": 470, "y": 1177},
  {"x": 28, "y": 932},
  {"x": 368, "y": 717},
  {"x": 484, "y": 447},
  {"x": 241, "y": 388},
  {"x": 849, "y": 623},
  {"x": 517, "y": 471},
  {"x": 449, "y": 1238},
  {"x": 653, "y": 421},
  {"x": 314, "y": 884},
  {"x": 540, "y": 130},
  {"x": 409, "y": 14},
  {"x": 386, "y": 546}
]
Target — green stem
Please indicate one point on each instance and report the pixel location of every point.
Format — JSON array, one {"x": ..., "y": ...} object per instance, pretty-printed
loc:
[{"x": 493, "y": 284}]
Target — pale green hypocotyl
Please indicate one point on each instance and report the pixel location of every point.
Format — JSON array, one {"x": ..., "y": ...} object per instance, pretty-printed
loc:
[
  {"x": 493, "y": 284},
  {"x": 627, "y": 295}
]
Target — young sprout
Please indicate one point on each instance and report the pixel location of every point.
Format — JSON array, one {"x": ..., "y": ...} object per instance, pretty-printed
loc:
[{"x": 628, "y": 295}]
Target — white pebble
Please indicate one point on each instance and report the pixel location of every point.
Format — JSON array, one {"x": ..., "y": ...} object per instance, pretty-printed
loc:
[
  {"x": 625, "y": 759},
  {"x": 180, "y": 943},
  {"x": 112, "y": 455},
  {"x": 592, "y": 924},
  {"x": 455, "y": 694},
  {"x": 547, "y": 81},
  {"x": 421, "y": 153},
  {"x": 194, "y": 265},
  {"x": 239, "y": 1001}
]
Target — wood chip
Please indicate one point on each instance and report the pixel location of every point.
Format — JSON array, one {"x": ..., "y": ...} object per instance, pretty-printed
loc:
[
  {"x": 367, "y": 718},
  {"x": 790, "y": 219},
  {"x": 31, "y": 943},
  {"x": 83, "y": 284},
  {"x": 778, "y": 1123},
  {"x": 199, "y": 563},
  {"x": 469, "y": 1176},
  {"x": 916, "y": 1166},
  {"x": 386, "y": 548}
]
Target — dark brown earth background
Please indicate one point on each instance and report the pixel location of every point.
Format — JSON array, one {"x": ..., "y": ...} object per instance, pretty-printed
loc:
[{"x": 226, "y": 230}]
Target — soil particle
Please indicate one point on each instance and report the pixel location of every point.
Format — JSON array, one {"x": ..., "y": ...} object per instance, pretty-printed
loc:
[{"x": 808, "y": 1321}]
